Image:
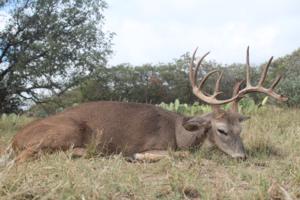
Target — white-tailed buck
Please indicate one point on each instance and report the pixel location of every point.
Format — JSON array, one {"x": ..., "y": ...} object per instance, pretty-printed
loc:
[{"x": 141, "y": 130}]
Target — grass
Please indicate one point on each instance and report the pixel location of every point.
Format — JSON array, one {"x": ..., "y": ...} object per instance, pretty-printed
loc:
[{"x": 272, "y": 140}]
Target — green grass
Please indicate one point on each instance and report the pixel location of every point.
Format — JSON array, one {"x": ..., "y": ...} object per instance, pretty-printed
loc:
[{"x": 272, "y": 140}]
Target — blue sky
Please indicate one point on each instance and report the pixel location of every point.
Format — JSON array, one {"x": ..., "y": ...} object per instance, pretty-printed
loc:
[{"x": 152, "y": 31}]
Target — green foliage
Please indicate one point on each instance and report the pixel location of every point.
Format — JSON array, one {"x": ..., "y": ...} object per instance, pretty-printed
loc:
[
  {"x": 49, "y": 46},
  {"x": 12, "y": 122},
  {"x": 289, "y": 66},
  {"x": 56, "y": 104},
  {"x": 246, "y": 105},
  {"x": 185, "y": 109},
  {"x": 166, "y": 83},
  {"x": 149, "y": 83},
  {"x": 154, "y": 84},
  {"x": 144, "y": 84},
  {"x": 291, "y": 88}
]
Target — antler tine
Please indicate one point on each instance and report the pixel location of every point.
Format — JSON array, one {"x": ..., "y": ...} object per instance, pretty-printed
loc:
[
  {"x": 264, "y": 73},
  {"x": 191, "y": 68},
  {"x": 236, "y": 88},
  {"x": 275, "y": 82},
  {"x": 194, "y": 73},
  {"x": 197, "y": 89},
  {"x": 217, "y": 86},
  {"x": 248, "y": 69},
  {"x": 198, "y": 65},
  {"x": 205, "y": 78}
]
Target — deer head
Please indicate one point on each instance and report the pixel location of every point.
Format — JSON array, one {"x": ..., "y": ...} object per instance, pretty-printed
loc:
[{"x": 225, "y": 126}]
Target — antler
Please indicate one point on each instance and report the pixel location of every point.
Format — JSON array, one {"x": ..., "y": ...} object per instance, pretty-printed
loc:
[
  {"x": 258, "y": 88},
  {"x": 197, "y": 89},
  {"x": 237, "y": 93}
]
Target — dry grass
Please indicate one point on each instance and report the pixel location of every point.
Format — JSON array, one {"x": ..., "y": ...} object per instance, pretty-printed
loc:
[{"x": 272, "y": 139}]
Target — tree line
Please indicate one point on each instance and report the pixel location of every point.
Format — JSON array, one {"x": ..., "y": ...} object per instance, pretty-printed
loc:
[{"x": 167, "y": 82}]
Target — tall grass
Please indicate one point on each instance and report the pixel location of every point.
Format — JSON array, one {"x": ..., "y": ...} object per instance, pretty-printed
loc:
[
  {"x": 272, "y": 140},
  {"x": 8, "y": 126}
]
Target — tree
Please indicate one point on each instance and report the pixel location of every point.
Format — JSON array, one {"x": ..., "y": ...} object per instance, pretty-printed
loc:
[
  {"x": 2, "y": 2},
  {"x": 289, "y": 67},
  {"x": 49, "y": 46}
]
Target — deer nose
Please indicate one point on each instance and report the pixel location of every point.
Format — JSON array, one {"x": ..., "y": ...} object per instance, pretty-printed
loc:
[{"x": 244, "y": 158}]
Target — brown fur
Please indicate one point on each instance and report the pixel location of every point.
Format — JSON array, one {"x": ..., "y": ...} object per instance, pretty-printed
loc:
[{"x": 126, "y": 127}]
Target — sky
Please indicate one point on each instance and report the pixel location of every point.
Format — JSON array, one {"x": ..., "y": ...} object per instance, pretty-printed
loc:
[
  {"x": 158, "y": 31},
  {"x": 3, "y": 19},
  {"x": 153, "y": 31}
]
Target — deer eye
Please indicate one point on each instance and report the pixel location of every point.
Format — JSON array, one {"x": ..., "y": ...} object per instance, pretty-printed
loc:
[{"x": 222, "y": 132}]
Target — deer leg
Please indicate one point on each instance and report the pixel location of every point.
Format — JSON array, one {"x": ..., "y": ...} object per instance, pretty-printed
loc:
[
  {"x": 25, "y": 155},
  {"x": 78, "y": 152},
  {"x": 151, "y": 156}
]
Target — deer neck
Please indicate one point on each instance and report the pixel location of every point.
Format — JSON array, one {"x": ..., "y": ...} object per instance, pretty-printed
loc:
[{"x": 189, "y": 139}]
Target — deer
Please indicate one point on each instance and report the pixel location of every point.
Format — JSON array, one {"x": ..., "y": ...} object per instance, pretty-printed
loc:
[{"x": 144, "y": 131}]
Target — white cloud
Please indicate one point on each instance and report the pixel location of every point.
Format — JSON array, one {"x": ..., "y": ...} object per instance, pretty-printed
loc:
[
  {"x": 4, "y": 17},
  {"x": 160, "y": 30}
]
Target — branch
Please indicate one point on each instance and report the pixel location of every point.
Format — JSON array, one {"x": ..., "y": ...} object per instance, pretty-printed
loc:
[
  {"x": 8, "y": 45},
  {"x": 4, "y": 72}
]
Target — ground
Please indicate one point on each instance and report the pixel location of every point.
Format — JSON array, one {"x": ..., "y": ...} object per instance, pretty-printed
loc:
[{"x": 272, "y": 170}]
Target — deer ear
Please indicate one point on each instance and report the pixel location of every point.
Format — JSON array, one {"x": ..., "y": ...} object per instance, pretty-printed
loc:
[{"x": 196, "y": 123}]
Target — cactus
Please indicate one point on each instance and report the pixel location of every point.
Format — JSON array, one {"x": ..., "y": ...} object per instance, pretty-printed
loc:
[
  {"x": 246, "y": 105},
  {"x": 176, "y": 105}
]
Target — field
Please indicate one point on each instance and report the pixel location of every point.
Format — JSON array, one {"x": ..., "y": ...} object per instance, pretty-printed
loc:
[{"x": 272, "y": 170}]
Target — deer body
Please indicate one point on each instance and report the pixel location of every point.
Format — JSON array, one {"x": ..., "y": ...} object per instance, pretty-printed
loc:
[{"x": 124, "y": 127}]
